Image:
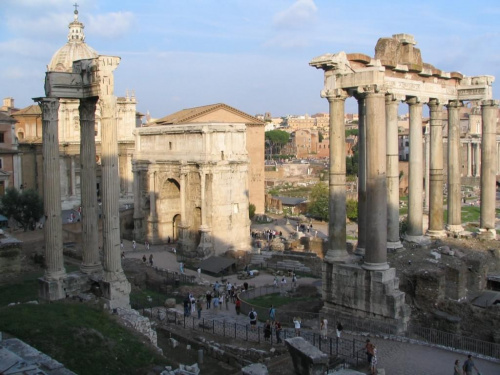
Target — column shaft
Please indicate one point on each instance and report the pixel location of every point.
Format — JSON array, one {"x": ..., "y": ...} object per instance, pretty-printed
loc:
[
  {"x": 360, "y": 248},
  {"x": 477, "y": 159},
  {"x": 90, "y": 224},
  {"x": 202, "y": 192},
  {"x": 54, "y": 260},
  {"x": 110, "y": 191},
  {"x": 454, "y": 194},
  {"x": 73, "y": 176},
  {"x": 416, "y": 172},
  {"x": 436, "y": 227},
  {"x": 138, "y": 217},
  {"x": 391, "y": 119},
  {"x": 469, "y": 158},
  {"x": 488, "y": 165},
  {"x": 337, "y": 189},
  {"x": 152, "y": 194},
  {"x": 427, "y": 143},
  {"x": 376, "y": 184}
]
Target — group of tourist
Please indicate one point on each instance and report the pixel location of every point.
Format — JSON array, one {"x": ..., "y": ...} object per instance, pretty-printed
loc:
[{"x": 467, "y": 368}]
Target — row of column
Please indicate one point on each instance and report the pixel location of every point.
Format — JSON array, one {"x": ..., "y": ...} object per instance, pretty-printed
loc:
[
  {"x": 378, "y": 194},
  {"x": 110, "y": 191}
]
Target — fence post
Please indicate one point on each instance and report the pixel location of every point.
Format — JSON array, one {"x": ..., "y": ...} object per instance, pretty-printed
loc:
[
  {"x": 338, "y": 346},
  {"x": 224, "y": 328},
  {"x": 213, "y": 327},
  {"x": 331, "y": 346},
  {"x": 203, "y": 325},
  {"x": 234, "y": 330},
  {"x": 184, "y": 321},
  {"x": 246, "y": 328},
  {"x": 258, "y": 334}
]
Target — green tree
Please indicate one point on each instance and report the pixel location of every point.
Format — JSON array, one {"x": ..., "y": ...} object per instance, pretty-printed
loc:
[
  {"x": 318, "y": 201},
  {"x": 251, "y": 210},
  {"x": 352, "y": 209},
  {"x": 275, "y": 140},
  {"x": 25, "y": 207},
  {"x": 320, "y": 137}
]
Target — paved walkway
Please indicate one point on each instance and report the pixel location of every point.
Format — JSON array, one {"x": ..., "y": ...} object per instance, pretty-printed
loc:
[{"x": 395, "y": 357}]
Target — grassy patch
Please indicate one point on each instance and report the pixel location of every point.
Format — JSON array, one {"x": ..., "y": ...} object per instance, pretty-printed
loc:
[
  {"x": 85, "y": 339},
  {"x": 277, "y": 300}
]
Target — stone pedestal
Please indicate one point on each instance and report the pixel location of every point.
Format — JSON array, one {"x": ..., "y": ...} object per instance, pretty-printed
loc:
[
  {"x": 51, "y": 290},
  {"x": 206, "y": 247},
  {"x": 116, "y": 293},
  {"x": 351, "y": 290},
  {"x": 307, "y": 359}
]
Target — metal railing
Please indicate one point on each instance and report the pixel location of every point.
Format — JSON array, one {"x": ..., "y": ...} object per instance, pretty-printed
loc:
[
  {"x": 355, "y": 324},
  {"x": 350, "y": 350}
]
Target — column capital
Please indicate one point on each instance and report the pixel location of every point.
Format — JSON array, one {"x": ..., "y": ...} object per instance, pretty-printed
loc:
[
  {"x": 489, "y": 103},
  {"x": 391, "y": 98},
  {"x": 454, "y": 104},
  {"x": 335, "y": 94},
  {"x": 416, "y": 100},
  {"x": 87, "y": 109},
  {"x": 49, "y": 107},
  {"x": 434, "y": 104},
  {"x": 371, "y": 89}
]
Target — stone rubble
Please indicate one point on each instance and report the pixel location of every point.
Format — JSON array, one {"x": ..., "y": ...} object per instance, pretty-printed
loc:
[{"x": 133, "y": 319}]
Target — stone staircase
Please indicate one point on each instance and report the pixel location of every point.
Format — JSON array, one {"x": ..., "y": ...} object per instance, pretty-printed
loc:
[{"x": 261, "y": 257}]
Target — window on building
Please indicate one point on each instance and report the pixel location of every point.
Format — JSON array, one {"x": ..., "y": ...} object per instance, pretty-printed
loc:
[
  {"x": 1, "y": 163},
  {"x": 2, "y": 137}
]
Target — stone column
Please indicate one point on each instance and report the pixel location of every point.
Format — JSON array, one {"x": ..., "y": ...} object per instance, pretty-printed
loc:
[
  {"x": 376, "y": 185},
  {"x": 183, "y": 241},
  {"x": 427, "y": 144},
  {"x": 477, "y": 159},
  {"x": 138, "y": 217},
  {"x": 72, "y": 176},
  {"x": 152, "y": 195},
  {"x": 454, "y": 194},
  {"x": 130, "y": 176},
  {"x": 436, "y": 226},
  {"x": 90, "y": 224},
  {"x": 51, "y": 286},
  {"x": 416, "y": 172},
  {"x": 469, "y": 158},
  {"x": 360, "y": 248},
  {"x": 205, "y": 247},
  {"x": 116, "y": 287},
  {"x": 488, "y": 168},
  {"x": 391, "y": 119},
  {"x": 337, "y": 250}
]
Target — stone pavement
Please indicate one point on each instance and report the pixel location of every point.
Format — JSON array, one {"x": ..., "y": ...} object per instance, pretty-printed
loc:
[{"x": 395, "y": 357}]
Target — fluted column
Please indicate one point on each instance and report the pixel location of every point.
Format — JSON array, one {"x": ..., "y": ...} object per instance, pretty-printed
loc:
[
  {"x": 90, "y": 226},
  {"x": 427, "y": 153},
  {"x": 110, "y": 191},
  {"x": 391, "y": 119},
  {"x": 183, "y": 196},
  {"x": 203, "y": 202},
  {"x": 469, "y": 158},
  {"x": 54, "y": 260},
  {"x": 436, "y": 225},
  {"x": 361, "y": 246},
  {"x": 152, "y": 194},
  {"x": 416, "y": 172},
  {"x": 337, "y": 250},
  {"x": 454, "y": 192},
  {"x": 73, "y": 176},
  {"x": 376, "y": 184},
  {"x": 488, "y": 167},
  {"x": 477, "y": 159},
  {"x": 138, "y": 216}
]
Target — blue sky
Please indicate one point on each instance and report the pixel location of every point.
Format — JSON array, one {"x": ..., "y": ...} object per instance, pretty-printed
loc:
[{"x": 250, "y": 54}]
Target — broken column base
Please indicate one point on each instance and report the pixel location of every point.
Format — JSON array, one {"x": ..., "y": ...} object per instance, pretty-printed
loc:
[
  {"x": 420, "y": 240},
  {"x": 116, "y": 293},
  {"x": 307, "y": 359},
  {"x": 487, "y": 234},
  {"x": 205, "y": 248},
  {"x": 51, "y": 290},
  {"x": 351, "y": 291}
]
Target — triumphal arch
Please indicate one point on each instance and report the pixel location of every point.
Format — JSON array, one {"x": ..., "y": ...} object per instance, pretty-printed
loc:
[
  {"x": 396, "y": 74},
  {"x": 92, "y": 83}
]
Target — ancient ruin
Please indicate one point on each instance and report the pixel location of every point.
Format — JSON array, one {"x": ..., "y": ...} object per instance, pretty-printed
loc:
[
  {"x": 396, "y": 73},
  {"x": 92, "y": 83}
]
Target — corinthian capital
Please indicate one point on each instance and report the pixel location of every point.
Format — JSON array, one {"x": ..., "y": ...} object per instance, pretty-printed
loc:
[{"x": 50, "y": 108}]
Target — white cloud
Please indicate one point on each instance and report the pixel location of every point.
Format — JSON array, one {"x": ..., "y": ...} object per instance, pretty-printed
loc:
[
  {"x": 21, "y": 47},
  {"x": 299, "y": 14},
  {"x": 49, "y": 24},
  {"x": 110, "y": 25}
]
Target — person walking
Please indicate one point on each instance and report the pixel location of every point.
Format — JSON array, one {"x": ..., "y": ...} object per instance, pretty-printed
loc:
[
  {"x": 151, "y": 260},
  {"x": 469, "y": 365},
  {"x": 296, "y": 323},
  {"x": 324, "y": 328},
  {"x": 272, "y": 314},
  {"x": 199, "y": 273},
  {"x": 374, "y": 361},
  {"x": 275, "y": 282},
  {"x": 339, "y": 329},
  {"x": 267, "y": 330},
  {"x": 369, "y": 351},
  {"x": 253, "y": 319},
  {"x": 277, "y": 328},
  {"x": 144, "y": 259},
  {"x": 199, "y": 307},
  {"x": 134, "y": 245},
  {"x": 456, "y": 369},
  {"x": 237, "y": 306}
]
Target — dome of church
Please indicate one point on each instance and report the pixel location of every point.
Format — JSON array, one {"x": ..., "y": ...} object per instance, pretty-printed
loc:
[{"x": 74, "y": 49}]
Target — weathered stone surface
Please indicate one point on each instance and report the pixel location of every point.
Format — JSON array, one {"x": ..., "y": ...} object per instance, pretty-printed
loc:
[
  {"x": 170, "y": 303},
  {"x": 307, "y": 359},
  {"x": 254, "y": 369}
]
